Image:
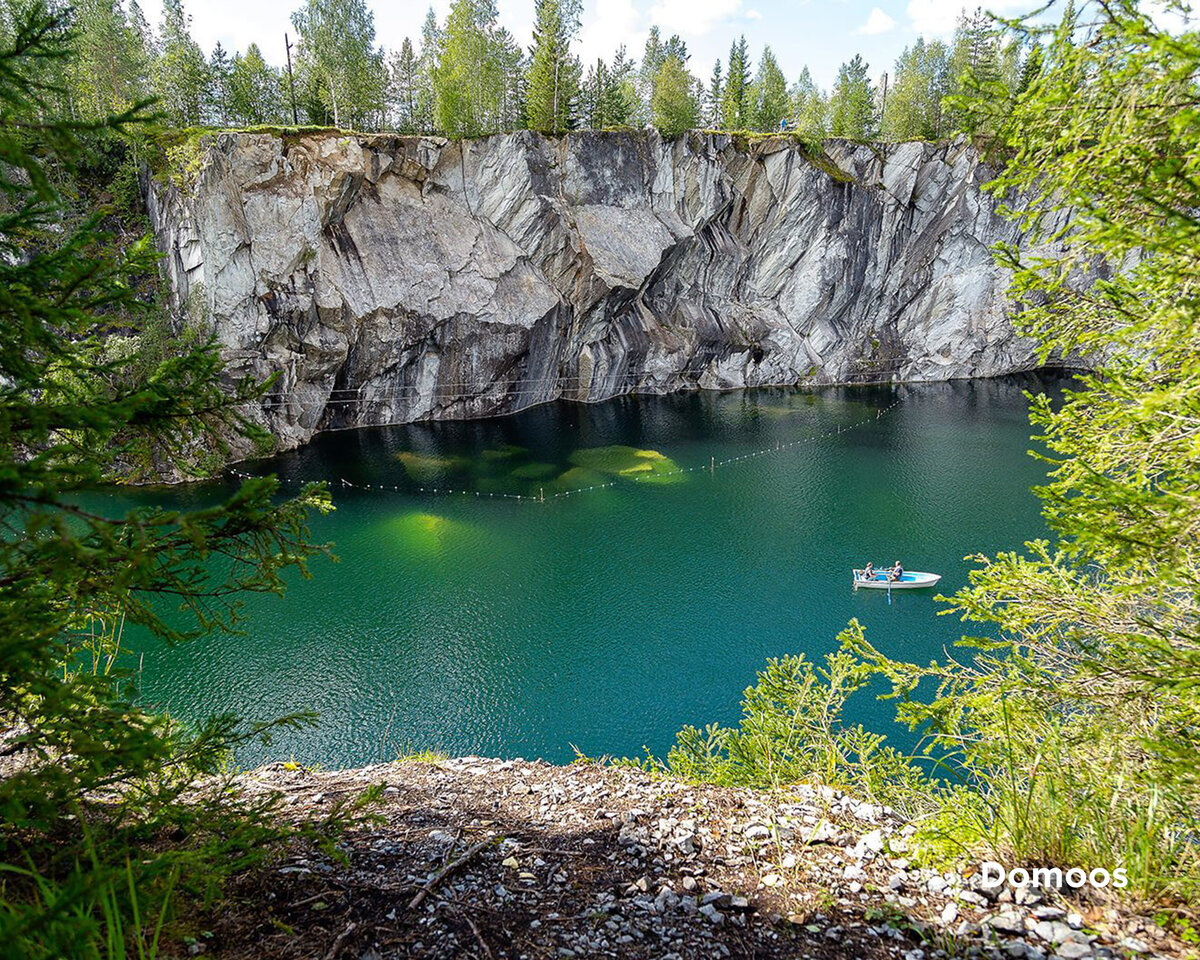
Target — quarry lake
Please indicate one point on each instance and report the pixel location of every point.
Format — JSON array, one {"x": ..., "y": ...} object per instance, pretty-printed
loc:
[{"x": 605, "y": 620}]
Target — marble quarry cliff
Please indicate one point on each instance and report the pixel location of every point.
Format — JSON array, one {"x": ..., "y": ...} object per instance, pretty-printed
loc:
[{"x": 386, "y": 279}]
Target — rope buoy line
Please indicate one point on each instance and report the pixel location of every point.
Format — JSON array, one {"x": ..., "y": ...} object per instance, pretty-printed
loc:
[
  {"x": 711, "y": 467},
  {"x": 353, "y": 396}
]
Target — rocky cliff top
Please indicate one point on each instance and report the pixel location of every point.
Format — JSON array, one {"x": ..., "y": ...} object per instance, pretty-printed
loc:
[{"x": 490, "y": 859}]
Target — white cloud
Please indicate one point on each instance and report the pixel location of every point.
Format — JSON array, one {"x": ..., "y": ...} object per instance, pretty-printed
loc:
[
  {"x": 939, "y": 17},
  {"x": 695, "y": 17},
  {"x": 615, "y": 22},
  {"x": 753, "y": 15},
  {"x": 877, "y": 22},
  {"x": 1169, "y": 18}
]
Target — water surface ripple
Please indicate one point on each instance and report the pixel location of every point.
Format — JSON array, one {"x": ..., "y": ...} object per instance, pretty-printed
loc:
[{"x": 605, "y": 621}]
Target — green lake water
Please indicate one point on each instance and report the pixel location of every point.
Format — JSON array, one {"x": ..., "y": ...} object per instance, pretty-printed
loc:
[{"x": 608, "y": 619}]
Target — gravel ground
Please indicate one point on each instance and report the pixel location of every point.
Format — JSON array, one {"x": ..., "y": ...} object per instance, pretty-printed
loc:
[{"x": 490, "y": 859}]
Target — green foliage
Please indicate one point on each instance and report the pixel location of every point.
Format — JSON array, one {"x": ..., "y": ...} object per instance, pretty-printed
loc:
[
  {"x": 712, "y": 99},
  {"x": 674, "y": 105},
  {"x": 341, "y": 68},
  {"x": 552, "y": 85},
  {"x": 99, "y": 831},
  {"x": 1081, "y": 718},
  {"x": 107, "y": 72},
  {"x": 1069, "y": 731},
  {"x": 736, "y": 99},
  {"x": 769, "y": 94},
  {"x": 913, "y": 109},
  {"x": 851, "y": 108},
  {"x": 468, "y": 86},
  {"x": 181, "y": 78},
  {"x": 810, "y": 110},
  {"x": 255, "y": 90},
  {"x": 792, "y": 731},
  {"x": 609, "y": 97}
]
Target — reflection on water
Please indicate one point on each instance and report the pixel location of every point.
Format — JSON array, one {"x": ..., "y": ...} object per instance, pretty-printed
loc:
[{"x": 609, "y": 619}]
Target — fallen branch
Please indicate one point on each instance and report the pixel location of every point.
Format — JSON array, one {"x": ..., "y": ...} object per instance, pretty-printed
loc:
[
  {"x": 337, "y": 944},
  {"x": 446, "y": 871}
]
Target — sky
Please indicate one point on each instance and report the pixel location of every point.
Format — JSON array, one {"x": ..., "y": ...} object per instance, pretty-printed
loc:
[{"x": 820, "y": 34}]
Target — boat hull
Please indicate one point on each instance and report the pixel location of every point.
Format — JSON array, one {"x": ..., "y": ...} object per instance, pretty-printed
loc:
[{"x": 912, "y": 580}]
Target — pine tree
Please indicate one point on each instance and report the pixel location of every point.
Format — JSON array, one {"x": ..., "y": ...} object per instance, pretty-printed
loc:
[
  {"x": 769, "y": 95},
  {"x": 552, "y": 84},
  {"x": 735, "y": 106},
  {"x": 676, "y": 108},
  {"x": 851, "y": 108}
]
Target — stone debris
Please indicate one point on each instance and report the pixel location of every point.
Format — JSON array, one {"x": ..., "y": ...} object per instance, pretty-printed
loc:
[{"x": 509, "y": 859}]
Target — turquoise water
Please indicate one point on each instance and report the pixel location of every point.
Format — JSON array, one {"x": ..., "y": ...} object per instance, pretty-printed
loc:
[{"x": 606, "y": 620}]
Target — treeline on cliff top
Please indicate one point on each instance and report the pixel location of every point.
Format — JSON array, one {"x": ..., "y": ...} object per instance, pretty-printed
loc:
[
  {"x": 467, "y": 76},
  {"x": 1068, "y": 737}
]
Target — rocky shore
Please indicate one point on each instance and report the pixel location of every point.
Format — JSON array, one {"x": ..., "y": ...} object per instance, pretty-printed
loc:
[{"x": 509, "y": 859}]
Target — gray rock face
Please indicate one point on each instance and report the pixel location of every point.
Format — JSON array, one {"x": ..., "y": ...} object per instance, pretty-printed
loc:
[{"x": 390, "y": 279}]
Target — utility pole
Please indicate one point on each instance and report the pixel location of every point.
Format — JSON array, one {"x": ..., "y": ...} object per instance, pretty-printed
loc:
[{"x": 291, "y": 80}]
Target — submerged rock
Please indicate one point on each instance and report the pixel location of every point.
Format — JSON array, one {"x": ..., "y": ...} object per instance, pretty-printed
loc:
[{"x": 388, "y": 279}]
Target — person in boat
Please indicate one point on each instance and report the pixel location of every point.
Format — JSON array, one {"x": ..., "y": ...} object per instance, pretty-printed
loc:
[
  {"x": 896, "y": 572},
  {"x": 868, "y": 572}
]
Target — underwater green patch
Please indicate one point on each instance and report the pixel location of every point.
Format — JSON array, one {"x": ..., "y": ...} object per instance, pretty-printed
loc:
[
  {"x": 629, "y": 463},
  {"x": 422, "y": 532},
  {"x": 576, "y": 478},
  {"x": 425, "y": 468},
  {"x": 509, "y": 451},
  {"x": 534, "y": 471}
]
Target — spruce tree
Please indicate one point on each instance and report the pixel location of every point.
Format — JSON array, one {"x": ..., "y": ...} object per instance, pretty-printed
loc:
[
  {"x": 255, "y": 89},
  {"x": 810, "y": 109},
  {"x": 851, "y": 107},
  {"x": 552, "y": 84},
  {"x": 716, "y": 89},
  {"x": 769, "y": 95},
  {"x": 220, "y": 70},
  {"x": 403, "y": 88},
  {"x": 96, "y": 787},
  {"x": 735, "y": 105}
]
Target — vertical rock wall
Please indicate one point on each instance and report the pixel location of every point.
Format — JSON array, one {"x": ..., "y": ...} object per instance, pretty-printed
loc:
[{"x": 388, "y": 279}]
